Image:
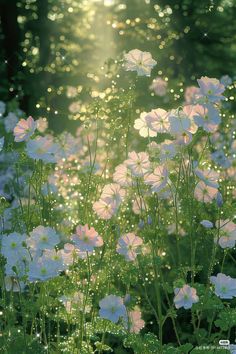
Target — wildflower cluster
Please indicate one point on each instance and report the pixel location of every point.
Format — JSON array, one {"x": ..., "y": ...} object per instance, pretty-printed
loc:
[{"x": 111, "y": 249}]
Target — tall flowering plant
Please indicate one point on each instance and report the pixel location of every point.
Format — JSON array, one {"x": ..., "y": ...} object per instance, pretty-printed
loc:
[{"x": 103, "y": 252}]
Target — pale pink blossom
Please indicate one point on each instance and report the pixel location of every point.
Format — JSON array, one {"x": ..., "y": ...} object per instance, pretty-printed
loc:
[
  {"x": 189, "y": 112},
  {"x": 185, "y": 297},
  {"x": 142, "y": 62},
  {"x": 42, "y": 124},
  {"x": 105, "y": 208},
  {"x": 86, "y": 239},
  {"x": 138, "y": 205},
  {"x": 158, "y": 179},
  {"x": 191, "y": 94},
  {"x": 158, "y": 120},
  {"x": 204, "y": 193},
  {"x": 114, "y": 192},
  {"x": 24, "y": 129},
  {"x": 227, "y": 233},
  {"x": 135, "y": 321},
  {"x": 159, "y": 86},
  {"x": 122, "y": 175},
  {"x": 138, "y": 163},
  {"x": 129, "y": 246}
]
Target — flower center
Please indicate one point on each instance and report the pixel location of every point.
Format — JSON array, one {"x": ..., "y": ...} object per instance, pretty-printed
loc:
[
  {"x": 44, "y": 238},
  {"x": 13, "y": 245}
]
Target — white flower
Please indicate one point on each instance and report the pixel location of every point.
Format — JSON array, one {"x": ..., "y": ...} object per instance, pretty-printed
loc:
[
  {"x": 226, "y": 80},
  {"x": 15, "y": 253},
  {"x": 158, "y": 179},
  {"x": 24, "y": 129},
  {"x": 141, "y": 125},
  {"x": 43, "y": 268},
  {"x": 12, "y": 246},
  {"x": 185, "y": 297},
  {"x": 42, "y": 148},
  {"x": 138, "y": 163},
  {"x": 211, "y": 88},
  {"x": 179, "y": 122},
  {"x": 10, "y": 122},
  {"x": 225, "y": 286},
  {"x": 167, "y": 150},
  {"x": 112, "y": 308},
  {"x": 158, "y": 120},
  {"x": 42, "y": 238},
  {"x": 139, "y": 61},
  {"x": 207, "y": 117}
]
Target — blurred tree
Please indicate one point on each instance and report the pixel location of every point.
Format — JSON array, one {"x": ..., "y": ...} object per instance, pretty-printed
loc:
[{"x": 11, "y": 41}]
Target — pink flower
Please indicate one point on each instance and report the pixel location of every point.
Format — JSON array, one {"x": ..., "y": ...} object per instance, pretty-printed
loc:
[
  {"x": 105, "y": 208},
  {"x": 158, "y": 120},
  {"x": 114, "y": 192},
  {"x": 227, "y": 233},
  {"x": 158, "y": 179},
  {"x": 24, "y": 129},
  {"x": 129, "y": 246},
  {"x": 204, "y": 193},
  {"x": 136, "y": 321},
  {"x": 138, "y": 163},
  {"x": 138, "y": 205},
  {"x": 191, "y": 94},
  {"x": 185, "y": 297},
  {"x": 159, "y": 86},
  {"x": 86, "y": 238},
  {"x": 122, "y": 176},
  {"x": 42, "y": 124},
  {"x": 189, "y": 111},
  {"x": 68, "y": 254}
]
